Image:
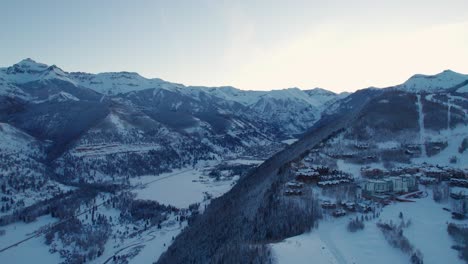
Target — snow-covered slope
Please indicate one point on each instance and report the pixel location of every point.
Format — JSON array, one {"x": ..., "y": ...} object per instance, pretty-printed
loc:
[
  {"x": 59, "y": 97},
  {"x": 13, "y": 140},
  {"x": 463, "y": 89},
  {"x": 29, "y": 70},
  {"x": 433, "y": 83},
  {"x": 112, "y": 83}
]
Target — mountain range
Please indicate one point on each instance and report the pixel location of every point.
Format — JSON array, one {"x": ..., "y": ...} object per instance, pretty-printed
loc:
[{"x": 66, "y": 131}]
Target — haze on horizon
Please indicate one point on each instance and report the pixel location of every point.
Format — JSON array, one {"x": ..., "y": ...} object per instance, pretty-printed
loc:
[{"x": 259, "y": 45}]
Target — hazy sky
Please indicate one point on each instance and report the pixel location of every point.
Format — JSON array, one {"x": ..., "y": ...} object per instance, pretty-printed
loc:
[{"x": 335, "y": 44}]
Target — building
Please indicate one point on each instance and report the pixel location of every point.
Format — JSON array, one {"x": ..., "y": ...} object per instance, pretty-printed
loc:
[
  {"x": 307, "y": 175},
  {"x": 395, "y": 184},
  {"x": 459, "y": 201},
  {"x": 376, "y": 186},
  {"x": 403, "y": 184}
]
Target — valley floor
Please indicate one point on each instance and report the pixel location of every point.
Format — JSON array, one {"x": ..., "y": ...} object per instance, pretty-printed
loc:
[
  {"x": 34, "y": 248},
  {"x": 180, "y": 188}
]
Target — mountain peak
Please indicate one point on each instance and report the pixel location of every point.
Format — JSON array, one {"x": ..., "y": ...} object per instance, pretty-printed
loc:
[
  {"x": 318, "y": 90},
  {"x": 432, "y": 83},
  {"x": 30, "y": 64},
  {"x": 450, "y": 71},
  {"x": 28, "y": 60}
]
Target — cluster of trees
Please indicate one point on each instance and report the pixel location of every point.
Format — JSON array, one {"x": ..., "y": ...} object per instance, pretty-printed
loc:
[
  {"x": 240, "y": 253},
  {"x": 6, "y": 203},
  {"x": 231, "y": 169},
  {"x": 460, "y": 235},
  {"x": 280, "y": 217},
  {"x": 47, "y": 206},
  {"x": 355, "y": 224},
  {"x": 20, "y": 174},
  {"x": 80, "y": 241},
  {"x": 131, "y": 209},
  {"x": 18, "y": 178},
  {"x": 463, "y": 146},
  {"x": 129, "y": 164},
  {"x": 394, "y": 235},
  {"x": 441, "y": 192},
  {"x": 342, "y": 192}
]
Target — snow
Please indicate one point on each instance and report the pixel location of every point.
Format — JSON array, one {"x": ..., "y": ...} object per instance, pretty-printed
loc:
[
  {"x": 180, "y": 188},
  {"x": 55, "y": 73},
  {"x": 10, "y": 90},
  {"x": 388, "y": 145},
  {"x": 117, "y": 122},
  {"x": 29, "y": 70},
  {"x": 244, "y": 161},
  {"x": 463, "y": 89},
  {"x": 303, "y": 249},
  {"x": 275, "y": 106},
  {"x": 289, "y": 141},
  {"x": 13, "y": 140},
  {"x": 33, "y": 249},
  {"x": 154, "y": 248},
  {"x": 58, "y": 97},
  {"x": 355, "y": 169},
  {"x": 454, "y": 138},
  {"x": 332, "y": 243},
  {"x": 113, "y": 83},
  {"x": 422, "y": 131},
  {"x": 152, "y": 243},
  {"x": 99, "y": 150},
  {"x": 235, "y": 95},
  {"x": 433, "y": 83},
  {"x": 429, "y": 221},
  {"x": 295, "y": 94}
]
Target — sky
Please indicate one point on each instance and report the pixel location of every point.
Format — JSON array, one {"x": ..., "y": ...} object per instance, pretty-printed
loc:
[{"x": 339, "y": 45}]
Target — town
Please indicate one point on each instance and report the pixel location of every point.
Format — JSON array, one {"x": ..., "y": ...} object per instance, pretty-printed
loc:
[{"x": 379, "y": 187}]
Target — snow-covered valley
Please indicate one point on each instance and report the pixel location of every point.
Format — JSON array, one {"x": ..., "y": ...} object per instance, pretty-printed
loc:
[
  {"x": 133, "y": 242},
  {"x": 118, "y": 168}
]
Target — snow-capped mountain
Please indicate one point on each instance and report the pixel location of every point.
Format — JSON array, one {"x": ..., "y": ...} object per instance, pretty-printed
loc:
[
  {"x": 99, "y": 134},
  {"x": 435, "y": 83},
  {"x": 113, "y": 83},
  {"x": 29, "y": 70},
  {"x": 92, "y": 120},
  {"x": 39, "y": 82}
]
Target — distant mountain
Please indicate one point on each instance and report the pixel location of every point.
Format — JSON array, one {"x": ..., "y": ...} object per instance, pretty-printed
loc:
[
  {"x": 300, "y": 108},
  {"x": 145, "y": 125},
  {"x": 435, "y": 83}
]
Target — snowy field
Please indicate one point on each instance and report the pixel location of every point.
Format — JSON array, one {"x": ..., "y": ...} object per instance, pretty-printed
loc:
[
  {"x": 244, "y": 161},
  {"x": 332, "y": 243},
  {"x": 180, "y": 188},
  {"x": 149, "y": 244},
  {"x": 454, "y": 138},
  {"x": 33, "y": 249},
  {"x": 289, "y": 141}
]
